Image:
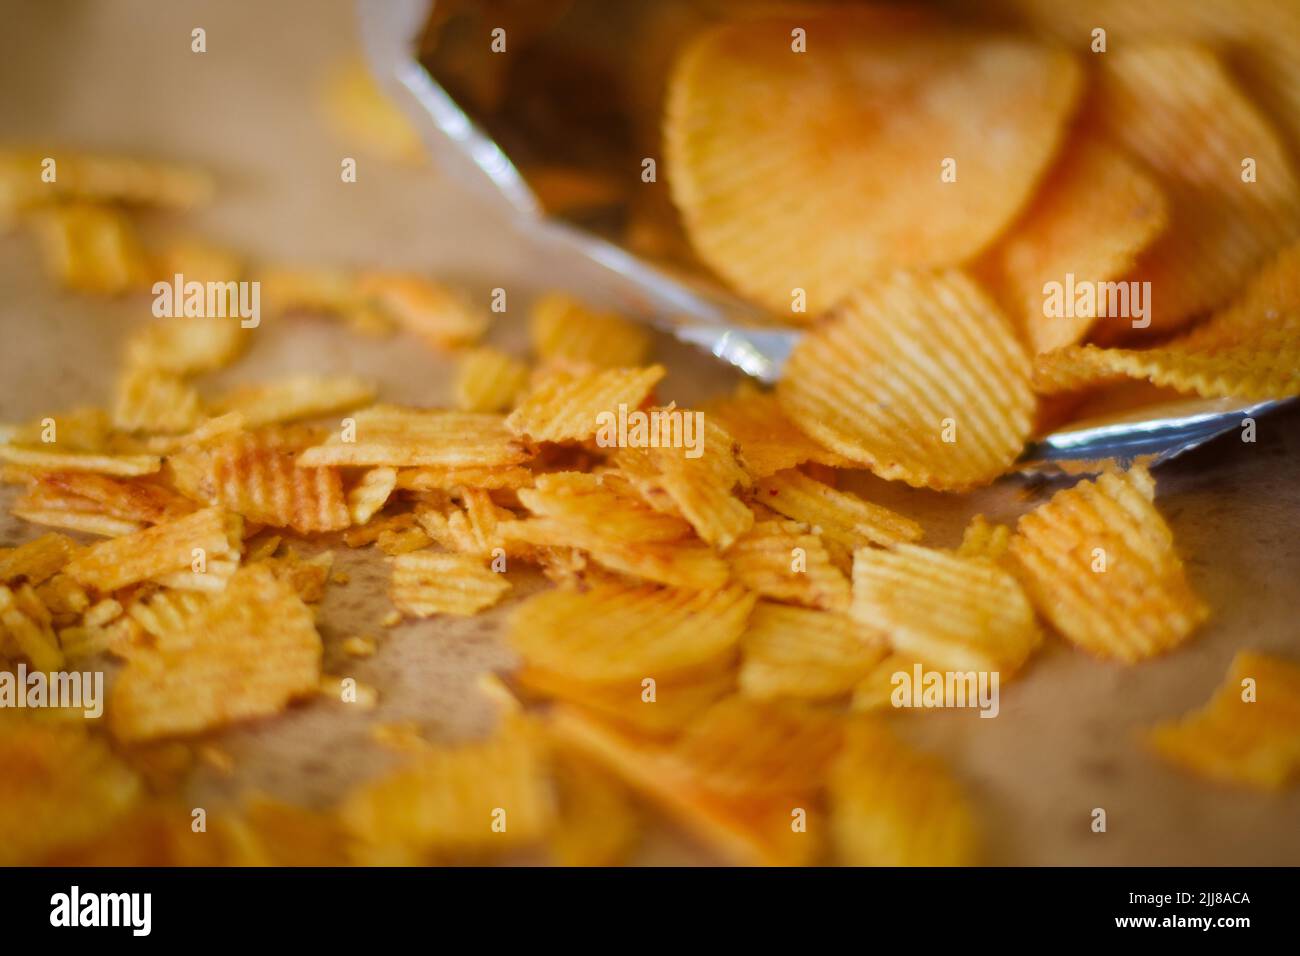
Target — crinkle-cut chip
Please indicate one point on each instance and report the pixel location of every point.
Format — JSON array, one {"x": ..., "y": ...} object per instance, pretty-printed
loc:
[
  {"x": 798, "y": 652},
  {"x": 630, "y": 705},
  {"x": 269, "y": 833},
  {"x": 148, "y": 400},
  {"x": 955, "y": 613},
  {"x": 918, "y": 377},
  {"x": 819, "y": 171},
  {"x": 891, "y": 806},
  {"x": 395, "y": 542},
  {"x": 1249, "y": 732},
  {"x": 45, "y": 506},
  {"x": 1099, "y": 563},
  {"x": 369, "y": 495},
  {"x": 26, "y": 627},
  {"x": 1095, "y": 213},
  {"x": 563, "y": 329},
  {"x": 94, "y": 177},
  {"x": 37, "y": 560},
  {"x": 362, "y": 112},
  {"x": 614, "y": 632},
  {"x": 286, "y": 289},
  {"x": 64, "y": 598},
  {"x": 436, "y": 314},
  {"x": 1251, "y": 349},
  {"x": 60, "y": 786},
  {"x": 746, "y": 829},
  {"x": 428, "y": 582},
  {"x": 842, "y": 517},
  {"x": 308, "y": 577},
  {"x": 295, "y": 398},
  {"x": 165, "y": 620},
  {"x": 161, "y": 551},
  {"x": 749, "y": 747},
  {"x": 699, "y": 489},
  {"x": 784, "y": 561},
  {"x": 489, "y": 380},
  {"x": 472, "y": 529},
  {"x": 198, "y": 261},
  {"x": 92, "y": 249},
  {"x": 474, "y": 797},
  {"x": 1180, "y": 112},
  {"x": 468, "y": 476},
  {"x": 360, "y": 536},
  {"x": 140, "y": 501},
  {"x": 769, "y": 442},
  {"x": 983, "y": 539},
  {"x": 565, "y": 407},
  {"x": 186, "y": 346},
  {"x": 591, "y": 501},
  {"x": 255, "y": 474},
  {"x": 596, "y": 821},
  {"x": 208, "y": 432},
  {"x": 82, "y": 429},
  {"x": 876, "y": 688},
  {"x": 46, "y": 457},
  {"x": 389, "y": 435},
  {"x": 247, "y": 653}
]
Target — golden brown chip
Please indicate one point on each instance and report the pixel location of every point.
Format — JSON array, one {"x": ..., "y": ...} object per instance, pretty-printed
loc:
[
  {"x": 769, "y": 442},
  {"x": 1099, "y": 563},
  {"x": 803, "y": 653},
  {"x": 436, "y": 314},
  {"x": 429, "y": 582},
  {"x": 148, "y": 400},
  {"x": 467, "y": 476},
  {"x": 817, "y": 171},
  {"x": 840, "y": 517},
  {"x": 246, "y": 653},
  {"x": 563, "y": 329},
  {"x": 295, "y": 398},
  {"x": 135, "y": 502},
  {"x": 38, "y": 559},
  {"x": 389, "y": 435},
  {"x": 879, "y": 685},
  {"x": 918, "y": 377},
  {"x": 984, "y": 540},
  {"x": 596, "y": 822},
  {"x": 369, "y": 495},
  {"x": 472, "y": 529},
  {"x": 564, "y": 407},
  {"x": 1249, "y": 732},
  {"x": 186, "y": 346},
  {"x": 52, "y": 457},
  {"x": 196, "y": 552},
  {"x": 97, "y": 177},
  {"x": 783, "y": 561},
  {"x": 596, "y": 502},
  {"x": 92, "y": 249},
  {"x": 26, "y": 628},
  {"x": 489, "y": 380}
]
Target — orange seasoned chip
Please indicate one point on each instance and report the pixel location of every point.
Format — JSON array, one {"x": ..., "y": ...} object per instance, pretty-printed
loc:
[
  {"x": 199, "y": 552},
  {"x": 436, "y": 314},
  {"x": 816, "y": 172},
  {"x": 954, "y": 613},
  {"x": 1099, "y": 563},
  {"x": 92, "y": 249},
  {"x": 1249, "y": 732},
  {"x": 489, "y": 380},
  {"x": 429, "y": 582},
  {"x": 918, "y": 377},
  {"x": 99, "y": 504},
  {"x": 565, "y": 407},
  {"x": 784, "y": 561},
  {"x": 246, "y": 653},
  {"x": 843, "y": 519},
  {"x": 803, "y": 653},
  {"x": 891, "y": 806},
  {"x": 37, "y": 560},
  {"x": 389, "y": 435},
  {"x": 563, "y": 329},
  {"x": 769, "y": 442},
  {"x": 295, "y": 398}
]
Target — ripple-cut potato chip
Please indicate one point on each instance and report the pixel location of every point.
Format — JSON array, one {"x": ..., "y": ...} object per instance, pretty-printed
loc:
[
  {"x": 471, "y": 798},
  {"x": 151, "y": 401},
  {"x": 803, "y": 653},
  {"x": 562, "y": 328},
  {"x": 784, "y": 561},
  {"x": 769, "y": 442},
  {"x": 489, "y": 380},
  {"x": 247, "y": 653},
  {"x": 94, "y": 177},
  {"x": 37, "y": 560},
  {"x": 429, "y": 582},
  {"x": 1176, "y": 108},
  {"x": 65, "y": 599},
  {"x": 295, "y": 398},
  {"x": 473, "y": 528},
  {"x": 180, "y": 547},
  {"x": 165, "y": 620},
  {"x": 564, "y": 407},
  {"x": 369, "y": 495},
  {"x": 98, "y": 504},
  {"x": 389, "y": 435},
  {"x": 867, "y": 153},
  {"x": 1099, "y": 563},
  {"x": 597, "y": 503},
  {"x": 1093, "y": 215},
  {"x": 954, "y": 613},
  {"x": 92, "y": 249},
  {"x": 1249, "y": 350},
  {"x": 49, "y": 457},
  {"x": 614, "y": 632},
  {"x": 187, "y": 346},
  {"x": 845, "y": 521},
  {"x": 891, "y": 806},
  {"x": 983, "y": 539},
  {"x": 596, "y": 822},
  {"x": 26, "y": 627},
  {"x": 918, "y": 377},
  {"x": 467, "y": 476},
  {"x": 876, "y": 689},
  {"x": 439, "y": 316},
  {"x": 1249, "y": 732},
  {"x": 60, "y": 787}
]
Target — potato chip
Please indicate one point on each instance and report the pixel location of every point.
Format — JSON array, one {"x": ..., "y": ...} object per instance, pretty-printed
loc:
[
  {"x": 427, "y": 582},
  {"x": 891, "y": 806},
  {"x": 362, "y": 112},
  {"x": 981, "y": 539},
  {"x": 37, "y": 560},
  {"x": 614, "y": 632},
  {"x": 96, "y": 177},
  {"x": 1099, "y": 563},
  {"x": 1249, "y": 732},
  {"x": 369, "y": 495},
  {"x": 954, "y": 613},
  {"x": 135, "y": 501},
  {"x": 471, "y": 530},
  {"x": 295, "y": 398},
  {"x": 47, "y": 457},
  {"x": 436, "y": 314},
  {"x": 565, "y": 407},
  {"x": 870, "y": 152},
  {"x": 769, "y": 442},
  {"x": 844, "y": 520},
  {"x": 1180, "y": 112},
  {"x": 918, "y": 377},
  {"x": 795, "y": 652},
  {"x": 60, "y": 787},
  {"x": 178, "y": 547},
  {"x": 596, "y": 822},
  {"x": 784, "y": 561},
  {"x": 468, "y": 476},
  {"x": 26, "y": 627},
  {"x": 595, "y": 502},
  {"x": 876, "y": 689},
  {"x": 247, "y": 653},
  {"x": 166, "y": 620},
  {"x": 186, "y": 346},
  {"x": 64, "y": 598},
  {"x": 389, "y": 435},
  {"x": 151, "y": 401},
  {"x": 489, "y": 380},
  {"x": 307, "y": 576},
  {"x": 1094, "y": 214},
  {"x": 92, "y": 249},
  {"x": 482, "y": 796},
  {"x": 563, "y": 329}
]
